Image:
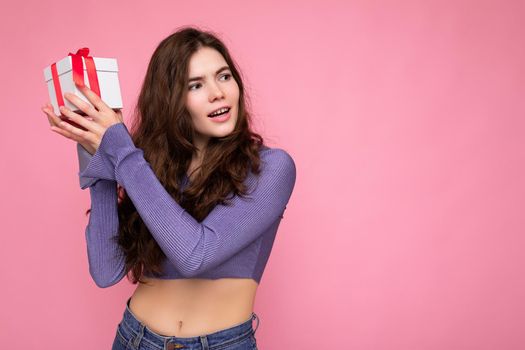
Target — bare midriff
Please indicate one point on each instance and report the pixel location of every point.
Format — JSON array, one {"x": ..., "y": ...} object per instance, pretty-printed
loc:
[{"x": 192, "y": 307}]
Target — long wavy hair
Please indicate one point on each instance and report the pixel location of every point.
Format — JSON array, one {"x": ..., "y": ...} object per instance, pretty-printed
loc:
[{"x": 162, "y": 128}]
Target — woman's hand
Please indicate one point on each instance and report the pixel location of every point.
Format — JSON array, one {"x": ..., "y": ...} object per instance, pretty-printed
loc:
[{"x": 99, "y": 118}]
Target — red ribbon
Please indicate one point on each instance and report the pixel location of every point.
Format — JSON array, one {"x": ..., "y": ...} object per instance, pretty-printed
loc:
[{"x": 78, "y": 73}]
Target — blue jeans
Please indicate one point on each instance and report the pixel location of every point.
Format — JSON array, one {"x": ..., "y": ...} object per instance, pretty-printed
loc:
[{"x": 134, "y": 335}]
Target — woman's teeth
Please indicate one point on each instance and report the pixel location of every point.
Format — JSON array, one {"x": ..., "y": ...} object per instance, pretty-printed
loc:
[{"x": 223, "y": 111}]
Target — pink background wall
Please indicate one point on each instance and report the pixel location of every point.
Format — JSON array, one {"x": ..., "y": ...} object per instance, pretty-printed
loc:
[{"x": 406, "y": 122}]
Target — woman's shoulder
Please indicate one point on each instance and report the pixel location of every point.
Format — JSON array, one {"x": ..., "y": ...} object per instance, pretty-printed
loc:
[
  {"x": 276, "y": 158},
  {"x": 278, "y": 173}
]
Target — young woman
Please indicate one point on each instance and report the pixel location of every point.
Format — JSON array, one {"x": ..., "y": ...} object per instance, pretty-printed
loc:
[{"x": 188, "y": 204}]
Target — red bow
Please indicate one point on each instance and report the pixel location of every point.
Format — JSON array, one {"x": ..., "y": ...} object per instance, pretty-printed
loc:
[{"x": 78, "y": 73}]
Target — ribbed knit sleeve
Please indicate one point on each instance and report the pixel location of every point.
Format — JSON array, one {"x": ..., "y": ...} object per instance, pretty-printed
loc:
[
  {"x": 84, "y": 157},
  {"x": 192, "y": 247},
  {"x": 106, "y": 260}
]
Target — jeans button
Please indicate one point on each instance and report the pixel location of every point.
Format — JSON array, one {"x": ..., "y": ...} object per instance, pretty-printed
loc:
[{"x": 172, "y": 346}]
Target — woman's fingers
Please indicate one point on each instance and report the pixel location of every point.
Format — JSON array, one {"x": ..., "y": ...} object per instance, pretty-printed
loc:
[
  {"x": 94, "y": 99},
  {"x": 77, "y": 118},
  {"x": 72, "y": 132},
  {"x": 53, "y": 119},
  {"x": 57, "y": 125},
  {"x": 64, "y": 133},
  {"x": 81, "y": 104}
]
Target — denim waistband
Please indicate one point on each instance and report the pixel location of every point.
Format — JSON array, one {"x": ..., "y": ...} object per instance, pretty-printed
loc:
[{"x": 140, "y": 332}]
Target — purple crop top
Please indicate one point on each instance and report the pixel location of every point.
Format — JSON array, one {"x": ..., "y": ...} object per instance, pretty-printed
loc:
[{"x": 232, "y": 241}]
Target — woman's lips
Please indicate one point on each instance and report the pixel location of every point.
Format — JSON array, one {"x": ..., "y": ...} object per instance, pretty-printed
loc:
[
  {"x": 218, "y": 109},
  {"x": 221, "y": 118}
]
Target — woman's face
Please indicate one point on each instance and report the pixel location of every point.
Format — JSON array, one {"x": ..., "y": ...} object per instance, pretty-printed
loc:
[{"x": 211, "y": 87}]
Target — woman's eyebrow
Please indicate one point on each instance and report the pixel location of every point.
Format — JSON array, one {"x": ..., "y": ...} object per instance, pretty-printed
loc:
[{"x": 217, "y": 72}]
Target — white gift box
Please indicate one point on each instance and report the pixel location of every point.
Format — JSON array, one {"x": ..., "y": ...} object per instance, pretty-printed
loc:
[{"x": 107, "y": 74}]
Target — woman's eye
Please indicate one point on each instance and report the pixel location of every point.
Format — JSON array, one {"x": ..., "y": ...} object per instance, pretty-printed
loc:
[{"x": 194, "y": 85}]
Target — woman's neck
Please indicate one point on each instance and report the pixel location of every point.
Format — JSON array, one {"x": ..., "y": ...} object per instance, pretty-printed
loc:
[{"x": 196, "y": 161}]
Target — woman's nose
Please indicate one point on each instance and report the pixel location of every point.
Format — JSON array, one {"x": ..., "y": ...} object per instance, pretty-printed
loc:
[{"x": 215, "y": 92}]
